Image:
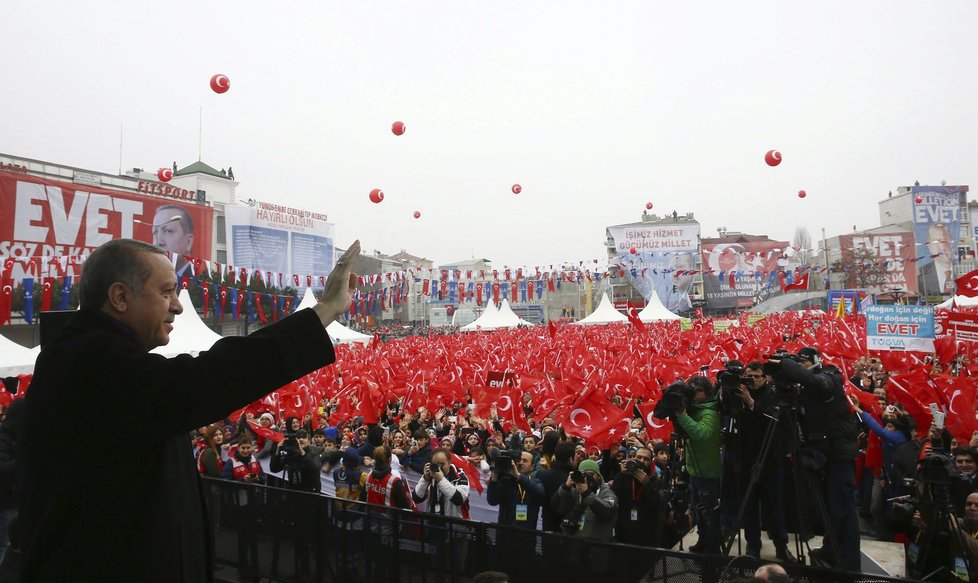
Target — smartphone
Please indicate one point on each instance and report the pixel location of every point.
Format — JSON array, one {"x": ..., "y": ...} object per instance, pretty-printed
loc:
[
  {"x": 938, "y": 416},
  {"x": 452, "y": 418}
]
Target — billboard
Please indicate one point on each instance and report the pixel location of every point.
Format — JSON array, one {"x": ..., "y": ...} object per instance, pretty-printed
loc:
[
  {"x": 900, "y": 328},
  {"x": 664, "y": 260},
  {"x": 894, "y": 251},
  {"x": 752, "y": 261},
  {"x": 936, "y": 227},
  {"x": 40, "y": 217},
  {"x": 280, "y": 239}
]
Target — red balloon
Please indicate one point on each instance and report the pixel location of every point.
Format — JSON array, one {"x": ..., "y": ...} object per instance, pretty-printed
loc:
[
  {"x": 417, "y": 214},
  {"x": 398, "y": 128},
  {"x": 633, "y": 251},
  {"x": 648, "y": 205},
  {"x": 773, "y": 157},
  {"x": 517, "y": 189},
  {"x": 376, "y": 195},
  {"x": 164, "y": 174},
  {"x": 919, "y": 199},
  {"x": 220, "y": 83},
  {"x": 802, "y": 194}
]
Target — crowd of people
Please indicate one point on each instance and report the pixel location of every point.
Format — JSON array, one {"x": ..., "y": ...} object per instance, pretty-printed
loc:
[{"x": 736, "y": 451}]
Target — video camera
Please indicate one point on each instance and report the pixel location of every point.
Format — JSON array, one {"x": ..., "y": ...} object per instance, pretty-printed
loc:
[
  {"x": 729, "y": 381},
  {"x": 675, "y": 398}
]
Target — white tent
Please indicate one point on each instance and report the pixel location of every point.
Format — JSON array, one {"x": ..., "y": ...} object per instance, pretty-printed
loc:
[
  {"x": 963, "y": 301},
  {"x": 486, "y": 321},
  {"x": 16, "y": 359},
  {"x": 509, "y": 318},
  {"x": 655, "y": 311},
  {"x": 338, "y": 333},
  {"x": 605, "y": 314},
  {"x": 190, "y": 335}
]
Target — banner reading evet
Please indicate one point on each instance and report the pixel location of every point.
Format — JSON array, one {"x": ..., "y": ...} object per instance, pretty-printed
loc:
[
  {"x": 937, "y": 226},
  {"x": 900, "y": 328},
  {"x": 40, "y": 217}
]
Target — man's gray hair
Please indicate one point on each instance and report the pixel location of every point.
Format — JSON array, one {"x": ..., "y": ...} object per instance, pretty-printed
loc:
[
  {"x": 174, "y": 210},
  {"x": 120, "y": 260}
]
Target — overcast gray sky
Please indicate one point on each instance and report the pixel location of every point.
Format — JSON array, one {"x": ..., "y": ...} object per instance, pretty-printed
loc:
[{"x": 594, "y": 108}]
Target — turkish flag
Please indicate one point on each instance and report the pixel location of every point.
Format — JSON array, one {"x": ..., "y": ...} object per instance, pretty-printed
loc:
[
  {"x": 266, "y": 433},
  {"x": 960, "y": 393},
  {"x": 552, "y": 328},
  {"x": 6, "y": 300},
  {"x": 495, "y": 293},
  {"x": 470, "y": 471},
  {"x": 967, "y": 284},
  {"x": 515, "y": 293},
  {"x": 478, "y": 294},
  {"x": 657, "y": 428},
  {"x": 47, "y": 288},
  {"x": 801, "y": 282},
  {"x": 588, "y": 417},
  {"x": 632, "y": 314},
  {"x": 207, "y": 298}
]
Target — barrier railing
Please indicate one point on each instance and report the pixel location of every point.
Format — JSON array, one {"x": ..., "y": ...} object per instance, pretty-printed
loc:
[{"x": 286, "y": 535}]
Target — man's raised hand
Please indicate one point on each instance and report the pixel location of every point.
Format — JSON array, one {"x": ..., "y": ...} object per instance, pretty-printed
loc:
[{"x": 339, "y": 287}]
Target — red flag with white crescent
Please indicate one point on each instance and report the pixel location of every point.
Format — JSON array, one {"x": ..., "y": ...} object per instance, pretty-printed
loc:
[{"x": 656, "y": 428}]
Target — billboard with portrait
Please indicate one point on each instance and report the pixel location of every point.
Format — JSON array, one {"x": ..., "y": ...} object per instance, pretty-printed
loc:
[
  {"x": 752, "y": 263},
  {"x": 936, "y": 227},
  {"x": 280, "y": 239},
  {"x": 664, "y": 260},
  {"x": 893, "y": 251},
  {"x": 41, "y": 217}
]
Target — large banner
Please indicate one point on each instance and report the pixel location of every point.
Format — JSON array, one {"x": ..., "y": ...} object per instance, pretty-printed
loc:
[
  {"x": 750, "y": 262},
  {"x": 280, "y": 239},
  {"x": 894, "y": 251},
  {"x": 936, "y": 228},
  {"x": 664, "y": 261},
  {"x": 40, "y": 217},
  {"x": 900, "y": 328}
]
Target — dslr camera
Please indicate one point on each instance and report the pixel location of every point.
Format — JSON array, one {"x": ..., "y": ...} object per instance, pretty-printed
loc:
[
  {"x": 675, "y": 398},
  {"x": 729, "y": 381},
  {"x": 504, "y": 460}
]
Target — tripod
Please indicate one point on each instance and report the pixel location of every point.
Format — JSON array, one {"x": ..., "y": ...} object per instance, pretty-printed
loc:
[{"x": 939, "y": 522}]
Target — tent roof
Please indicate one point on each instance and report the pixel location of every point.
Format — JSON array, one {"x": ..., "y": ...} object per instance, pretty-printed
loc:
[
  {"x": 604, "y": 314},
  {"x": 964, "y": 301},
  {"x": 190, "y": 335},
  {"x": 337, "y": 332},
  {"x": 655, "y": 311},
  {"x": 488, "y": 320},
  {"x": 16, "y": 359}
]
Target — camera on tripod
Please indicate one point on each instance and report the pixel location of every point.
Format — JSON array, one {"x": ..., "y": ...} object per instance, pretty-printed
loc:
[{"x": 729, "y": 381}]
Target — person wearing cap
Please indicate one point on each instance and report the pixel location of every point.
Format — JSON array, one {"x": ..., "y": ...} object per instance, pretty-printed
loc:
[
  {"x": 829, "y": 450},
  {"x": 350, "y": 481},
  {"x": 589, "y": 507}
]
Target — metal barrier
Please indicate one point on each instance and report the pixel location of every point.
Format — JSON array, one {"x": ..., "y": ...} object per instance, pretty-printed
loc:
[{"x": 286, "y": 535}]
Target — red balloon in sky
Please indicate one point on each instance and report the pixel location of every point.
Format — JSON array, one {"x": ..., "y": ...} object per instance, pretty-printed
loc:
[
  {"x": 773, "y": 157},
  {"x": 802, "y": 194},
  {"x": 376, "y": 195},
  {"x": 633, "y": 251},
  {"x": 220, "y": 83},
  {"x": 517, "y": 189},
  {"x": 919, "y": 199},
  {"x": 164, "y": 174},
  {"x": 398, "y": 128},
  {"x": 648, "y": 205},
  {"x": 417, "y": 214}
]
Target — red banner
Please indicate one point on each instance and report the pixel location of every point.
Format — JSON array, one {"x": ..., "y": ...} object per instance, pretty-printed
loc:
[
  {"x": 739, "y": 262},
  {"x": 52, "y": 218},
  {"x": 893, "y": 250}
]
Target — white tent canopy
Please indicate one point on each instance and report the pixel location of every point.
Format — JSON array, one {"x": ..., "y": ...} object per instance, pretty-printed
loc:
[
  {"x": 485, "y": 321},
  {"x": 338, "y": 333},
  {"x": 509, "y": 317},
  {"x": 190, "y": 335},
  {"x": 654, "y": 311},
  {"x": 16, "y": 359},
  {"x": 604, "y": 314},
  {"x": 963, "y": 301}
]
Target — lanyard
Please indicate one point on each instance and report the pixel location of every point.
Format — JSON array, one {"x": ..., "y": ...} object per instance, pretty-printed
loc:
[{"x": 522, "y": 493}]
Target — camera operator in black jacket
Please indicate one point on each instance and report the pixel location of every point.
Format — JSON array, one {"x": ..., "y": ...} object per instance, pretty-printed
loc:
[
  {"x": 299, "y": 466},
  {"x": 758, "y": 408},
  {"x": 829, "y": 433}
]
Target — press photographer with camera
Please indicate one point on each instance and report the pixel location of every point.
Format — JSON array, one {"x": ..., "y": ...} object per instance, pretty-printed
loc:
[
  {"x": 760, "y": 443},
  {"x": 640, "y": 504},
  {"x": 961, "y": 534},
  {"x": 699, "y": 419},
  {"x": 829, "y": 448},
  {"x": 587, "y": 504},
  {"x": 300, "y": 468},
  {"x": 518, "y": 496}
]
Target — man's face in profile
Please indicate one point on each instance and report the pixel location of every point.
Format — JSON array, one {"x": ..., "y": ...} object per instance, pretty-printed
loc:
[{"x": 170, "y": 234}]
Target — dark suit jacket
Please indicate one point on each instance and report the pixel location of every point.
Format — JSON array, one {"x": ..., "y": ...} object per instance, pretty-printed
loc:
[{"x": 131, "y": 509}]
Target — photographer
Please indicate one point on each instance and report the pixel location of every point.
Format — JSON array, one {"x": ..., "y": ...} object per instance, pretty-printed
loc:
[
  {"x": 511, "y": 488},
  {"x": 757, "y": 411},
  {"x": 588, "y": 505},
  {"x": 301, "y": 469},
  {"x": 829, "y": 433},
  {"x": 702, "y": 427},
  {"x": 640, "y": 504},
  {"x": 962, "y": 532}
]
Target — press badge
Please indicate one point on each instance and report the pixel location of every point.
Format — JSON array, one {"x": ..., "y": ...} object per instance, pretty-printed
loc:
[
  {"x": 634, "y": 514},
  {"x": 521, "y": 512},
  {"x": 912, "y": 551},
  {"x": 960, "y": 569}
]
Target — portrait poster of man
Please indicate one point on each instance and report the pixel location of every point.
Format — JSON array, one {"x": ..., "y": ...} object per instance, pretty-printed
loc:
[
  {"x": 937, "y": 228},
  {"x": 41, "y": 217},
  {"x": 752, "y": 262},
  {"x": 664, "y": 261}
]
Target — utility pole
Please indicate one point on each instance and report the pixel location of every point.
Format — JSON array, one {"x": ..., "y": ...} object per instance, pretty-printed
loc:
[{"x": 825, "y": 253}]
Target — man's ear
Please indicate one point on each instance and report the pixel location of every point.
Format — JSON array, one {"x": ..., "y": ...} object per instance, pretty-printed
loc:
[
  {"x": 190, "y": 243},
  {"x": 118, "y": 297}
]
